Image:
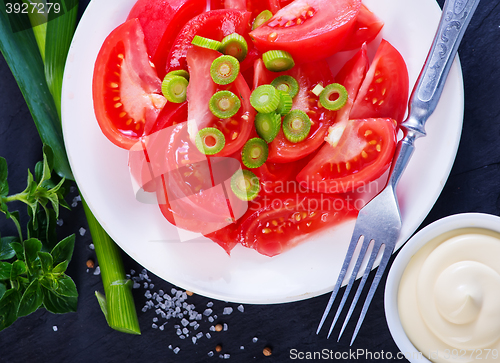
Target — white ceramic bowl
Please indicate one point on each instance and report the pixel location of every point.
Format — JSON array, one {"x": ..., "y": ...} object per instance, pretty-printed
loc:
[{"x": 448, "y": 224}]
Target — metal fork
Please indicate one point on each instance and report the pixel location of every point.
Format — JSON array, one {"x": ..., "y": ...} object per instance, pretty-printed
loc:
[{"x": 379, "y": 221}]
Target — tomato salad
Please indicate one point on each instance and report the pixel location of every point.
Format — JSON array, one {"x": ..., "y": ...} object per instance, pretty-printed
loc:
[{"x": 233, "y": 117}]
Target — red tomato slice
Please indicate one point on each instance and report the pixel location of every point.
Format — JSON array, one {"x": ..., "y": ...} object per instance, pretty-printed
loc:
[
  {"x": 363, "y": 153},
  {"x": 366, "y": 29},
  {"x": 125, "y": 88},
  {"x": 194, "y": 189},
  {"x": 384, "y": 92},
  {"x": 307, "y": 75},
  {"x": 278, "y": 178},
  {"x": 236, "y": 129},
  {"x": 350, "y": 76},
  {"x": 161, "y": 21},
  {"x": 309, "y": 30},
  {"x": 139, "y": 161},
  {"x": 253, "y": 6},
  {"x": 215, "y": 24},
  {"x": 274, "y": 225}
]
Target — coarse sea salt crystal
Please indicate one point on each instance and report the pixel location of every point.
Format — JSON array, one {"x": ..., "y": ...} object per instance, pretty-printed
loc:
[
  {"x": 241, "y": 308},
  {"x": 82, "y": 231},
  {"x": 207, "y": 312},
  {"x": 255, "y": 339},
  {"x": 210, "y": 304},
  {"x": 97, "y": 270},
  {"x": 210, "y": 354},
  {"x": 177, "y": 350},
  {"x": 228, "y": 310},
  {"x": 54, "y": 328},
  {"x": 208, "y": 335},
  {"x": 225, "y": 327}
]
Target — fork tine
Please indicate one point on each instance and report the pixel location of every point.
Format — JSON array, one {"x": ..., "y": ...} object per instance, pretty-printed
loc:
[
  {"x": 354, "y": 274},
  {"x": 350, "y": 252},
  {"x": 373, "y": 256},
  {"x": 378, "y": 276}
]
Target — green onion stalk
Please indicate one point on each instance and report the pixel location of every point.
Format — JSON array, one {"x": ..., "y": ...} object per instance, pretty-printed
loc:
[{"x": 35, "y": 48}]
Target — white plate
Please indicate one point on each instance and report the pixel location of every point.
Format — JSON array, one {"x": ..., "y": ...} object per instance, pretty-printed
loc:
[{"x": 310, "y": 269}]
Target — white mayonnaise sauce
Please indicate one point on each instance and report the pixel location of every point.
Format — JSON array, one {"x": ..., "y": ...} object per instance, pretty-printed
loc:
[{"x": 449, "y": 297}]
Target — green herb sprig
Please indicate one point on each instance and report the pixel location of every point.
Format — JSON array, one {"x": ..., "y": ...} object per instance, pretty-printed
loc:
[{"x": 32, "y": 270}]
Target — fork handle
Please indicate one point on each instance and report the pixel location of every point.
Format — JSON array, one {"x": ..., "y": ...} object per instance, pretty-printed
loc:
[{"x": 424, "y": 98}]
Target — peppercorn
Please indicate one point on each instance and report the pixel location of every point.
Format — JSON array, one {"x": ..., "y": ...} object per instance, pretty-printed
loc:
[
  {"x": 218, "y": 327},
  {"x": 267, "y": 351},
  {"x": 218, "y": 348},
  {"x": 90, "y": 263}
]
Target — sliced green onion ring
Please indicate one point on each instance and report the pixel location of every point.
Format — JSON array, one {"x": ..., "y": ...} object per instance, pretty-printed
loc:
[
  {"x": 224, "y": 69},
  {"x": 224, "y": 104},
  {"x": 296, "y": 126},
  {"x": 210, "y": 140},
  {"x": 265, "y": 98},
  {"x": 254, "y": 153},
  {"x": 286, "y": 83},
  {"x": 278, "y": 60},
  {"x": 267, "y": 125},
  {"x": 285, "y": 104},
  {"x": 245, "y": 185},
  {"x": 338, "y": 100},
  {"x": 235, "y": 45},
  {"x": 179, "y": 72},
  {"x": 206, "y": 42},
  {"x": 174, "y": 88},
  {"x": 261, "y": 18}
]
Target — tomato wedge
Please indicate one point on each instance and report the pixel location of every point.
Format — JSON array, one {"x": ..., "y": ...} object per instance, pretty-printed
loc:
[
  {"x": 309, "y": 30},
  {"x": 125, "y": 88},
  {"x": 161, "y": 21},
  {"x": 237, "y": 128},
  {"x": 215, "y": 24},
  {"x": 363, "y": 153},
  {"x": 272, "y": 226},
  {"x": 194, "y": 189},
  {"x": 307, "y": 75},
  {"x": 366, "y": 29},
  {"x": 384, "y": 92},
  {"x": 351, "y": 75}
]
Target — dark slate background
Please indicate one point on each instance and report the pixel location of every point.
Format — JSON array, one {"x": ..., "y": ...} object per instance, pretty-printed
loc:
[{"x": 473, "y": 186}]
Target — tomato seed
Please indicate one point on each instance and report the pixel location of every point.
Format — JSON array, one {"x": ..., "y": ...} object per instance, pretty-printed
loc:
[{"x": 364, "y": 155}]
